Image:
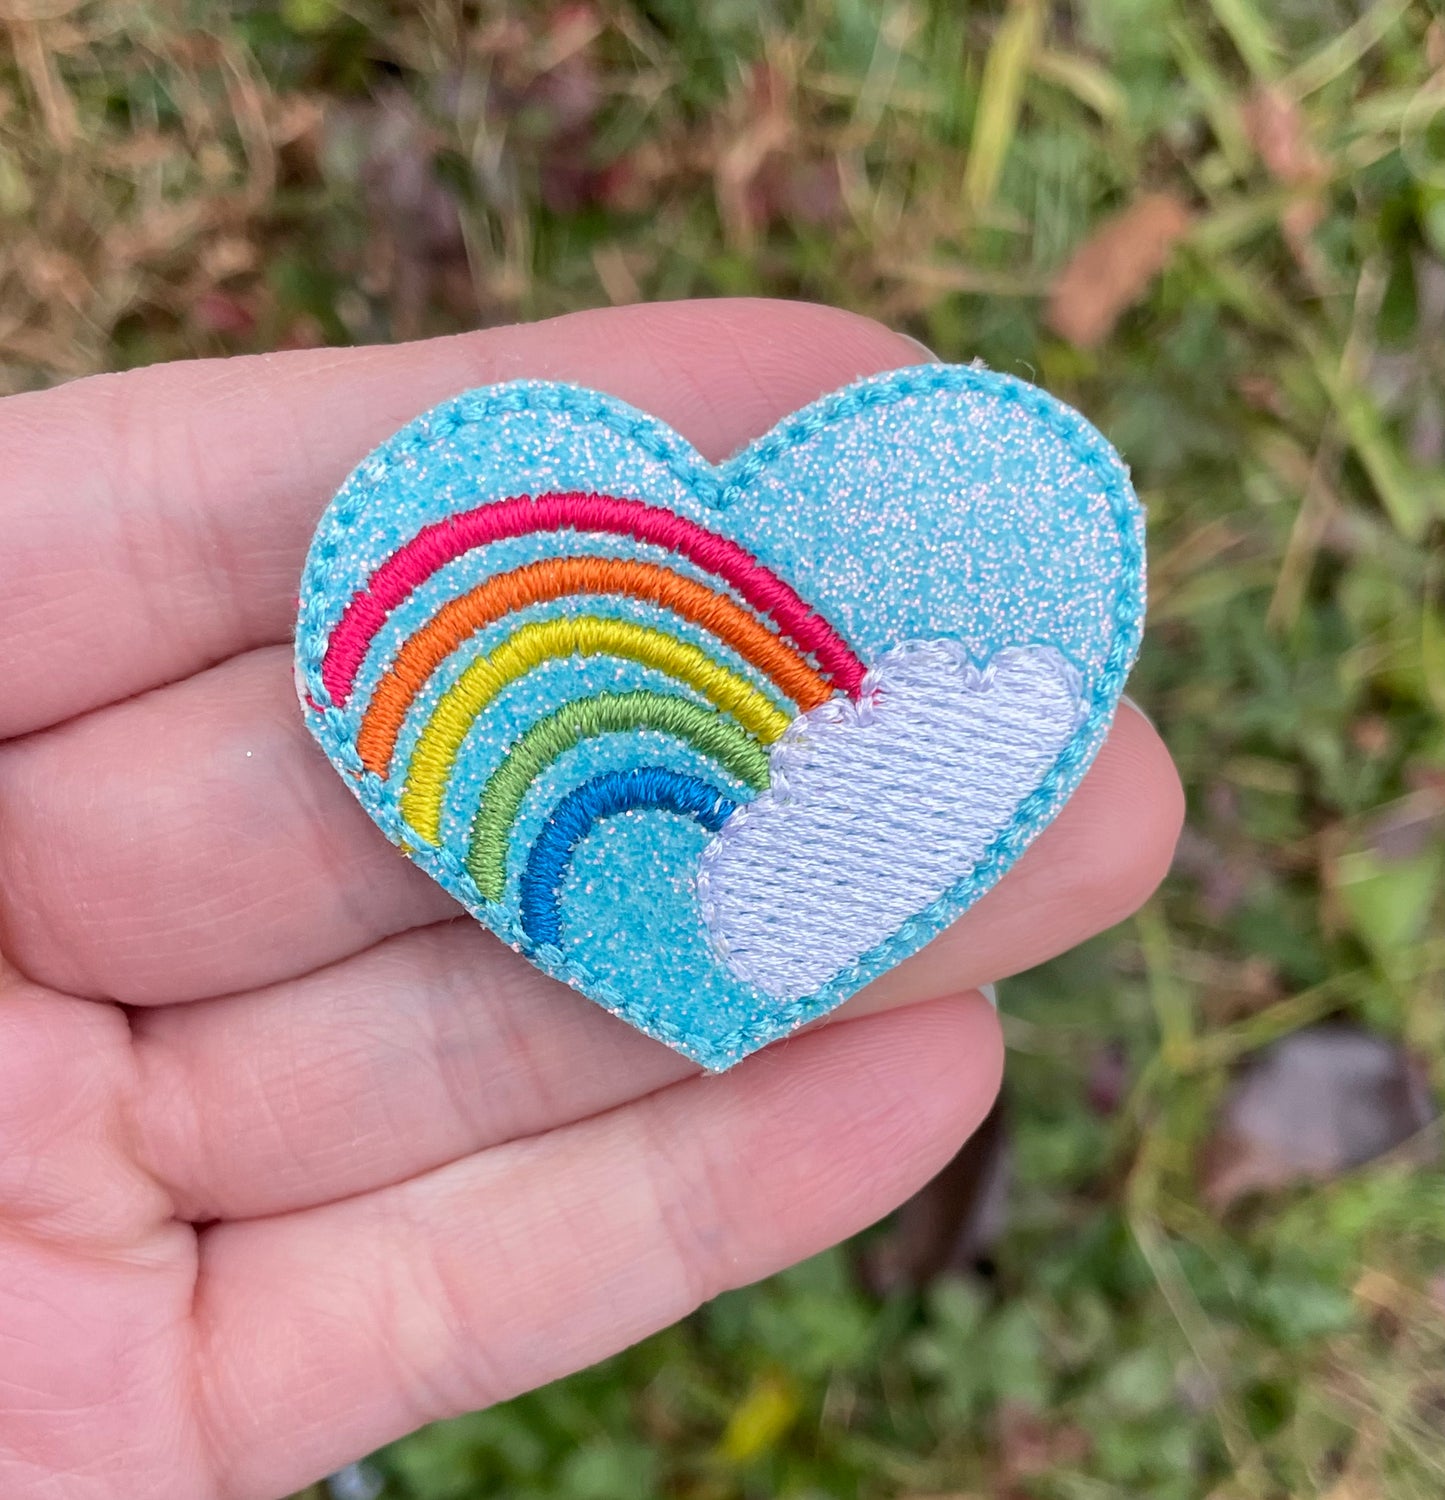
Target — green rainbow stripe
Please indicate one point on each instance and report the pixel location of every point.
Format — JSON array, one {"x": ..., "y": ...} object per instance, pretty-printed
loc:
[
  {"x": 585, "y": 718},
  {"x": 434, "y": 756}
]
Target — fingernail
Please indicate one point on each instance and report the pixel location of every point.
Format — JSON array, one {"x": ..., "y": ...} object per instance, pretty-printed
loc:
[
  {"x": 1134, "y": 704},
  {"x": 989, "y": 993},
  {"x": 929, "y": 356}
]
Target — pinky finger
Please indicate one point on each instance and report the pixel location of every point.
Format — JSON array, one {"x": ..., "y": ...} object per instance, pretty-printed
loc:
[{"x": 328, "y": 1332}]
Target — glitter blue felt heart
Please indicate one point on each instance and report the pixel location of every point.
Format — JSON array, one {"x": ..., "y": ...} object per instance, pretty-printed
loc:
[{"x": 719, "y": 744}]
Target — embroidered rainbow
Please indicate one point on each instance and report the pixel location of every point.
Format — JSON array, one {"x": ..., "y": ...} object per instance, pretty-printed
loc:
[{"x": 792, "y": 660}]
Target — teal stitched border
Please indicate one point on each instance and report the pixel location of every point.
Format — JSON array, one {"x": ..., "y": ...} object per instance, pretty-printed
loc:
[{"x": 719, "y": 487}]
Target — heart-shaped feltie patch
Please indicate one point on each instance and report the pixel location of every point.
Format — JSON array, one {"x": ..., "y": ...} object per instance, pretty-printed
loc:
[{"x": 717, "y": 745}]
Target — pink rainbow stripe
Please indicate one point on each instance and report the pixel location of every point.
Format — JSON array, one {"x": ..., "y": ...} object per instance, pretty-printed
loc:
[{"x": 443, "y": 541}]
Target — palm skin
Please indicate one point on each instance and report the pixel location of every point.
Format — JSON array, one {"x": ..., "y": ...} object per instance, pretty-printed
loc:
[{"x": 291, "y": 1159}]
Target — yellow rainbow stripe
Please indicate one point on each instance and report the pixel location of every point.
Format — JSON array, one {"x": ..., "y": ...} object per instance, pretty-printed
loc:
[{"x": 435, "y": 754}]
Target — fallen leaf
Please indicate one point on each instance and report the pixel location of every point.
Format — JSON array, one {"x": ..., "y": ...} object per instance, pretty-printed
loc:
[
  {"x": 1114, "y": 267},
  {"x": 1262, "y": 392},
  {"x": 1372, "y": 735},
  {"x": 1108, "y": 1079},
  {"x": 633, "y": 182},
  {"x": 759, "y": 124},
  {"x": 1310, "y": 1107},
  {"x": 1277, "y": 129},
  {"x": 760, "y": 1419},
  {"x": 223, "y": 312},
  {"x": 1030, "y": 1444},
  {"x": 795, "y": 190}
]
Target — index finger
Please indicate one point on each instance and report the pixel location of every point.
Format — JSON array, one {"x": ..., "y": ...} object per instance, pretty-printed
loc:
[{"x": 155, "y": 522}]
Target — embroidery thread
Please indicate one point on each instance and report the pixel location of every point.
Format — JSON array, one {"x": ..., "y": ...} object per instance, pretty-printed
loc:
[
  {"x": 557, "y": 578},
  {"x": 641, "y": 789},
  {"x": 934, "y": 757},
  {"x": 585, "y": 718},
  {"x": 435, "y": 756},
  {"x": 719, "y": 744},
  {"x": 445, "y": 541}
]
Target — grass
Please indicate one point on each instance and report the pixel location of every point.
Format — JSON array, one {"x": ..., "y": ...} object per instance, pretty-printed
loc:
[{"x": 183, "y": 179}]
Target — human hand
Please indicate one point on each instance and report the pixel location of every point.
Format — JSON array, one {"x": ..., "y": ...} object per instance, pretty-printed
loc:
[{"x": 291, "y": 1161}]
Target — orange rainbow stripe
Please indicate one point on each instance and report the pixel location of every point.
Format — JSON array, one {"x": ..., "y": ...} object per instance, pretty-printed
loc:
[{"x": 555, "y": 578}]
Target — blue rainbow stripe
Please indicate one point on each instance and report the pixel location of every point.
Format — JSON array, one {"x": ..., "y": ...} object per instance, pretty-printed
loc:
[{"x": 644, "y": 788}]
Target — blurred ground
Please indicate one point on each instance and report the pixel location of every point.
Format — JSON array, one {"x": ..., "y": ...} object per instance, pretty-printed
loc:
[{"x": 1219, "y": 229}]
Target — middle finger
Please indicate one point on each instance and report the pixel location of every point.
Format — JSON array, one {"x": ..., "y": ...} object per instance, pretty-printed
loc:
[
  {"x": 193, "y": 842},
  {"x": 442, "y": 1041}
]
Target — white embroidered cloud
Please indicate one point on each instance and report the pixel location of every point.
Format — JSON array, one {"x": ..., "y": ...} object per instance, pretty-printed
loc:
[{"x": 877, "y": 807}]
